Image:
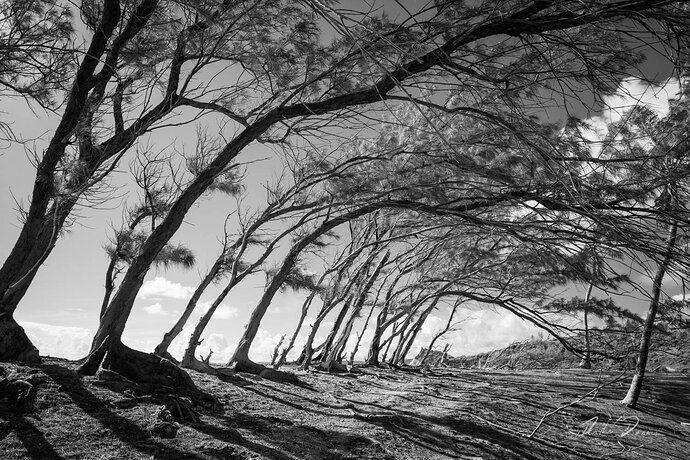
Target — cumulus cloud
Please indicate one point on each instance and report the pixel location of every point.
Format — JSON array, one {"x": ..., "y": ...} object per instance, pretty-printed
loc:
[
  {"x": 155, "y": 309},
  {"x": 161, "y": 287},
  {"x": 631, "y": 92},
  {"x": 59, "y": 341},
  {"x": 223, "y": 311}
]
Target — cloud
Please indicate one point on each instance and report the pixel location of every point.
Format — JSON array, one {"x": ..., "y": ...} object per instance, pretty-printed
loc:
[
  {"x": 226, "y": 312},
  {"x": 161, "y": 287},
  {"x": 155, "y": 309},
  {"x": 631, "y": 92},
  {"x": 68, "y": 342},
  {"x": 223, "y": 311}
]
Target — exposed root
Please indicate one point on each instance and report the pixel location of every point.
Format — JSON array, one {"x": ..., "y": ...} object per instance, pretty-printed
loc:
[
  {"x": 19, "y": 394},
  {"x": 262, "y": 371},
  {"x": 149, "y": 373},
  {"x": 199, "y": 366}
]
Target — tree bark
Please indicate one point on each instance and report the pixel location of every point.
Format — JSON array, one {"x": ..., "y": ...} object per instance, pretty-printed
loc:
[{"x": 633, "y": 394}]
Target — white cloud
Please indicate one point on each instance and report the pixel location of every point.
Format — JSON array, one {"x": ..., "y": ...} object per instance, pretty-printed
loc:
[
  {"x": 161, "y": 287},
  {"x": 631, "y": 92},
  {"x": 59, "y": 341},
  {"x": 226, "y": 312},
  {"x": 223, "y": 311},
  {"x": 155, "y": 309}
]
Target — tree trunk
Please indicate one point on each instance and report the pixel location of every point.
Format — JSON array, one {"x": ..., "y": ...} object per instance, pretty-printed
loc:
[
  {"x": 195, "y": 339},
  {"x": 374, "y": 348},
  {"x": 449, "y": 323},
  {"x": 633, "y": 394},
  {"x": 330, "y": 338},
  {"x": 168, "y": 337},
  {"x": 14, "y": 343},
  {"x": 586, "y": 362},
  {"x": 300, "y": 322},
  {"x": 241, "y": 356},
  {"x": 400, "y": 359},
  {"x": 360, "y": 335},
  {"x": 109, "y": 285},
  {"x": 156, "y": 373},
  {"x": 20, "y": 347}
]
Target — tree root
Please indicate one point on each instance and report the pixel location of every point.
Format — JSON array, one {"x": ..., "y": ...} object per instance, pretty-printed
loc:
[
  {"x": 148, "y": 373},
  {"x": 262, "y": 371},
  {"x": 20, "y": 394},
  {"x": 199, "y": 366}
]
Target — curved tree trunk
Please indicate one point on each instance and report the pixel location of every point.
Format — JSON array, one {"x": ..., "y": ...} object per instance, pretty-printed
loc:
[
  {"x": 168, "y": 337},
  {"x": 188, "y": 358},
  {"x": 437, "y": 336},
  {"x": 375, "y": 347},
  {"x": 240, "y": 359},
  {"x": 300, "y": 322},
  {"x": 633, "y": 394},
  {"x": 351, "y": 361},
  {"x": 16, "y": 345},
  {"x": 400, "y": 357}
]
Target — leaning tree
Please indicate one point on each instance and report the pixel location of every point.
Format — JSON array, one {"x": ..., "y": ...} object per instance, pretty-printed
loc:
[{"x": 288, "y": 83}]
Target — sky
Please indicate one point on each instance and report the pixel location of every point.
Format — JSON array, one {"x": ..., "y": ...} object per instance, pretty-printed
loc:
[{"x": 60, "y": 310}]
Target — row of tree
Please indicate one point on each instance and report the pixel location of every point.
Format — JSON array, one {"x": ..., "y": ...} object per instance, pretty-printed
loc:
[{"x": 425, "y": 135}]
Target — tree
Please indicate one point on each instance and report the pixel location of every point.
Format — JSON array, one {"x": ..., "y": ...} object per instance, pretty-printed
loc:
[
  {"x": 668, "y": 154},
  {"x": 308, "y": 84},
  {"x": 444, "y": 330}
]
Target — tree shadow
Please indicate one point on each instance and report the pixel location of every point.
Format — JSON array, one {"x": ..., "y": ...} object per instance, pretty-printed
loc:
[
  {"x": 125, "y": 430},
  {"x": 282, "y": 439},
  {"x": 36, "y": 445}
]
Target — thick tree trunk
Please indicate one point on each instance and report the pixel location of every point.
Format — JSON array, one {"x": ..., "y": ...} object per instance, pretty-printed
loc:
[
  {"x": 156, "y": 373},
  {"x": 17, "y": 345},
  {"x": 14, "y": 343},
  {"x": 375, "y": 347},
  {"x": 633, "y": 394}
]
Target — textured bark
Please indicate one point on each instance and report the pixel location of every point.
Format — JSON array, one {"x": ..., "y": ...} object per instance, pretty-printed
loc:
[
  {"x": 14, "y": 343},
  {"x": 375, "y": 347},
  {"x": 155, "y": 373}
]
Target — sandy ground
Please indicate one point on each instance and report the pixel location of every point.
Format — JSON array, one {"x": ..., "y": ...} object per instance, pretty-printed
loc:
[{"x": 378, "y": 414}]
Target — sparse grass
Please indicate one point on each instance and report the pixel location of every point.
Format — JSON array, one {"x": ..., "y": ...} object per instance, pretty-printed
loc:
[{"x": 378, "y": 414}]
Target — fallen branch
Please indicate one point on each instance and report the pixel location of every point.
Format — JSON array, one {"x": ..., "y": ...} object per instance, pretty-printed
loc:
[{"x": 593, "y": 394}]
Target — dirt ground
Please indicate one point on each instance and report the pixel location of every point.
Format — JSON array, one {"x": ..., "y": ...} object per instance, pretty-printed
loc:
[{"x": 378, "y": 414}]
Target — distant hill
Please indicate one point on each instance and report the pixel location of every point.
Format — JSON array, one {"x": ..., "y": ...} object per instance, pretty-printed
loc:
[{"x": 670, "y": 352}]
